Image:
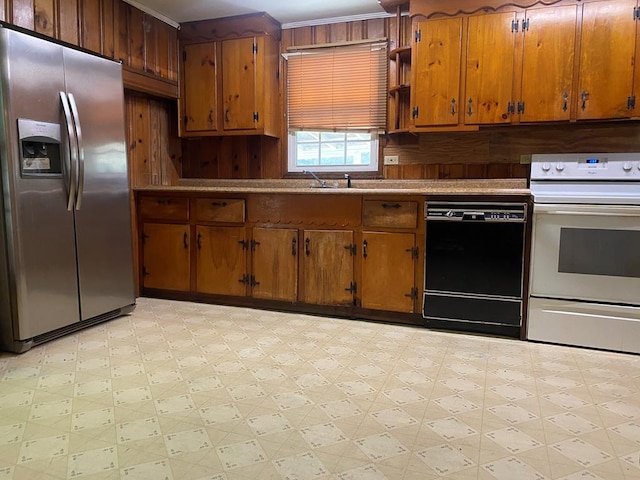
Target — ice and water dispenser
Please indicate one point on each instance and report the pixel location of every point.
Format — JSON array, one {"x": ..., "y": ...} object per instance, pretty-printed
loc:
[{"x": 39, "y": 148}]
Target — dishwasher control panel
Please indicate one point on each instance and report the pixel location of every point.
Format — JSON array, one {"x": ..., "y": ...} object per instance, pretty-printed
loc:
[{"x": 476, "y": 212}]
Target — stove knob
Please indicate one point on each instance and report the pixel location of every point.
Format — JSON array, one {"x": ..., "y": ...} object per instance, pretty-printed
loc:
[
  {"x": 546, "y": 166},
  {"x": 627, "y": 166},
  {"x": 559, "y": 166}
]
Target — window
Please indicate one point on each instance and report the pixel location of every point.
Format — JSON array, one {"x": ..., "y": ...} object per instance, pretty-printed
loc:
[{"x": 336, "y": 106}]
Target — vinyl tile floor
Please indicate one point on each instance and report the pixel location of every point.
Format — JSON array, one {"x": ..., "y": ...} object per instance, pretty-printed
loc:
[{"x": 189, "y": 391}]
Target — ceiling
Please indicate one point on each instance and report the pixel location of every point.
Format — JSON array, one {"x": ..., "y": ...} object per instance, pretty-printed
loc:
[{"x": 285, "y": 11}]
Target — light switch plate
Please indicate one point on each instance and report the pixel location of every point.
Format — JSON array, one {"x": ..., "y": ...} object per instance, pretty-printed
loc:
[{"x": 391, "y": 159}]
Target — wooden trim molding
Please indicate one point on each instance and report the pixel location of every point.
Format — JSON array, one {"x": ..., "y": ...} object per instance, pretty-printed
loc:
[
  {"x": 432, "y": 8},
  {"x": 151, "y": 84}
]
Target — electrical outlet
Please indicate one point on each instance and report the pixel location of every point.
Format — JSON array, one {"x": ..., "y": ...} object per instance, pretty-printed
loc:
[
  {"x": 391, "y": 159},
  {"x": 525, "y": 159}
]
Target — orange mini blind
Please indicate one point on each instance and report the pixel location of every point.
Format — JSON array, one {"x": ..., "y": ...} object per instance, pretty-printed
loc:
[{"x": 338, "y": 87}]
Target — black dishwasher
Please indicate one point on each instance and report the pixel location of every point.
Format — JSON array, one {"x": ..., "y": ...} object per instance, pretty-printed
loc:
[{"x": 474, "y": 260}]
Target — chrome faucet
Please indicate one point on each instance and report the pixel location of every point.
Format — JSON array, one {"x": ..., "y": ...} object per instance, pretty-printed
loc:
[{"x": 322, "y": 183}]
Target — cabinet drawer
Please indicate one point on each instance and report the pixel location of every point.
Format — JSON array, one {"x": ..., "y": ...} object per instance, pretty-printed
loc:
[
  {"x": 390, "y": 214},
  {"x": 229, "y": 210},
  {"x": 164, "y": 208}
]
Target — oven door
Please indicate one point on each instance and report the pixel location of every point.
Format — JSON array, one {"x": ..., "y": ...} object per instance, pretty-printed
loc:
[{"x": 586, "y": 252}]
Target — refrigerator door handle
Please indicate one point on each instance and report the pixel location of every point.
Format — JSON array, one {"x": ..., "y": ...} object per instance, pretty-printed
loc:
[
  {"x": 78, "y": 128},
  {"x": 73, "y": 150}
]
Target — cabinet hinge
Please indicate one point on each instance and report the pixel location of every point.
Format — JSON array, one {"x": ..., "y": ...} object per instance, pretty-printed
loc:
[
  {"x": 636, "y": 13},
  {"x": 352, "y": 249},
  {"x": 255, "y": 48},
  {"x": 145, "y": 272},
  {"x": 511, "y": 108},
  {"x": 414, "y": 252},
  {"x": 514, "y": 25},
  {"x": 414, "y": 112},
  {"x": 244, "y": 243},
  {"x": 413, "y": 294},
  {"x": 254, "y": 244},
  {"x": 253, "y": 282},
  {"x": 525, "y": 25},
  {"x": 631, "y": 102},
  {"x": 255, "y": 116},
  {"x": 245, "y": 279},
  {"x": 144, "y": 238},
  {"x": 184, "y": 56},
  {"x": 520, "y": 107},
  {"x": 418, "y": 36},
  {"x": 353, "y": 288}
]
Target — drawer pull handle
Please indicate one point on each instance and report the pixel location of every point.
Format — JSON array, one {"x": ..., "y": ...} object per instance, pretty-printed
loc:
[
  {"x": 185, "y": 239},
  {"x": 164, "y": 202},
  {"x": 391, "y": 205},
  {"x": 294, "y": 246},
  {"x": 219, "y": 204}
]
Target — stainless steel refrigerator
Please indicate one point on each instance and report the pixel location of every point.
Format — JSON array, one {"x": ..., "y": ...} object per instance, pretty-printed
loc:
[{"x": 65, "y": 229}]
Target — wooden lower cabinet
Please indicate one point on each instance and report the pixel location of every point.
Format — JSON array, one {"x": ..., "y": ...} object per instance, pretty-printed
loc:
[
  {"x": 274, "y": 260},
  {"x": 165, "y": 256},
  {"x": 327, "y": 267},
  {"x": 221, "y": 260},
  {"x": 388, "y": 271}
]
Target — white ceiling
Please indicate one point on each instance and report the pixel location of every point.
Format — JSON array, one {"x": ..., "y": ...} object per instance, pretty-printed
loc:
[{"x": 285, "y": 11}]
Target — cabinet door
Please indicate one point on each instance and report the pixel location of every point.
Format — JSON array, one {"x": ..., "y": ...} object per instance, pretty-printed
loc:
[
  {"x": 436, "y": 84},
  {"x": 275, "y": 263},
  {"x": 606, "y": 60},
  {"x": 239, "y": 57},
  {"x": 388, "y": 270},
  {"x": 547, "y": 72},
  {"x": 490, "y": 58},
  {"x": 327, "y": 267},
  {"x": 165, "y": 253},
  {"x": 221, "y": 260},
  {"x": 199, "y": 90}
]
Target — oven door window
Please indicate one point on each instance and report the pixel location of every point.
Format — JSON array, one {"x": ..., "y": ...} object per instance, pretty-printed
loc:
[
  {"x": 586, "y": 252},
  {"x": 593, "y": 251}
]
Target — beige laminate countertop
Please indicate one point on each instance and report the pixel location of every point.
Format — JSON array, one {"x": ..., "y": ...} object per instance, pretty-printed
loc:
[{"x": 359, "y": 187}]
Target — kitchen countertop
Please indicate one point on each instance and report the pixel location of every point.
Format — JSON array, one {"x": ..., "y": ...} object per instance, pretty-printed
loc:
[{"x": 359, "y": 187}]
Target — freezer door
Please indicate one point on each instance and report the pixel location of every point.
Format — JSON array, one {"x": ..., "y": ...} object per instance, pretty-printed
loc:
[
  {"x": 102, "y": 210},
  {"x": 39, "y": 242}
]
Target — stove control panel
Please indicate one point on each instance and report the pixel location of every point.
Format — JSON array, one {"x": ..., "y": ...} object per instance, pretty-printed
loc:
[{"x": 586, "y": 166}]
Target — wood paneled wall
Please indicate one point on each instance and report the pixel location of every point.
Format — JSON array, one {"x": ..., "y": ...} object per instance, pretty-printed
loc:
[
  {"x": 112, "y": 28},
  {"x": 495, "y": 152}
]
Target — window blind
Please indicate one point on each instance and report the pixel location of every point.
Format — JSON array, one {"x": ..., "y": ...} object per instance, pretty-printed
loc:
[{"x": 338, "y": 87}]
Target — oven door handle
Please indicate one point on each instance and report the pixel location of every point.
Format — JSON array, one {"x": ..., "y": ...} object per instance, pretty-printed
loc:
[{"x": 589, "y": 211}]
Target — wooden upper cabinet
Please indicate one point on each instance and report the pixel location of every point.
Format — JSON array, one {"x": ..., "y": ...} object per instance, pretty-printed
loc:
[
  {"x": 230, "y": 87},
  {"x": 436, "y": 63},
  {"x": 547, "y": 64},
  {"x": 607, "y": 56},
  {"x": 490, "y": 68},
  {"x": 199, "y": 87}
]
